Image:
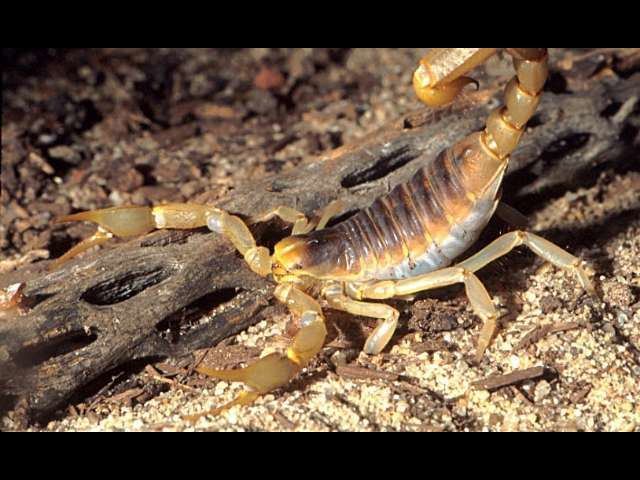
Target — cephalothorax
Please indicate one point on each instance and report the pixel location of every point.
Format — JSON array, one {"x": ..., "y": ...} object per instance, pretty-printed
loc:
[{"x": 404, "y": 243}]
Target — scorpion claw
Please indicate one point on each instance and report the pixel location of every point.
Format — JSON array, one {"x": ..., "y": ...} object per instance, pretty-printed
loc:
[
  {"x": 274, "y": 370},
  {"x": 262, "y": 376},
  {"x": 115, "y": 221},
  {"x": 120, "y": 221},
  {"x": 442, "y": 94},
  {"x": 244, "y": 398},
  {"x": 97, "y": 238}
]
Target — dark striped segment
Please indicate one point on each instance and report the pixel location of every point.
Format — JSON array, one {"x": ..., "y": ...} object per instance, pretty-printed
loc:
[{"x": 403, "y": 225}]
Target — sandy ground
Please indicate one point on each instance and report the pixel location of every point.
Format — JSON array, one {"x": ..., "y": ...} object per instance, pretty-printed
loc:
[{"x": 425, "y": 381}]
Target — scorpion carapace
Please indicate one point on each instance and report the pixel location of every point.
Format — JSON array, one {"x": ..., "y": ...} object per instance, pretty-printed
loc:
[{"x": 402, "y": 244}]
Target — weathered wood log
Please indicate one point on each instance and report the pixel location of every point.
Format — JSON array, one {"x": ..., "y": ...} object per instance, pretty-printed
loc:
[{"x": 171, "y": 292}]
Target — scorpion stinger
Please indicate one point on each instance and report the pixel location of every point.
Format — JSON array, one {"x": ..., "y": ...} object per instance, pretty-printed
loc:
[{"x": 405, "y": 242}]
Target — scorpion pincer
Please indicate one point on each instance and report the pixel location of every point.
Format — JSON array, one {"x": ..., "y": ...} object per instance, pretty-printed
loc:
[{"x": 404, "y": 243}]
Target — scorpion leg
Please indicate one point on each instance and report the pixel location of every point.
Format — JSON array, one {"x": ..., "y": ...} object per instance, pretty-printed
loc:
[
  {"x": 439, "y": 78},
  {"x": 385, "y": 328},
  {"x": 476, "y": 293},
  {"x": 289, "y": 215},
  {"x": 276, "y": 370},
  {"x": 330, "y": 211},
  {"x": 511, "y": 215},
  {"x": 541, "y": 247},
  {"x": 301, "y": 224}
]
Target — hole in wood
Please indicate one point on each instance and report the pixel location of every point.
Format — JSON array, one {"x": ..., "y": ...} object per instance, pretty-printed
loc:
[
  {"x": 611, "y": 109},
  {"x": 60, "y": 345},
  {"x": 119, "y": 289}
]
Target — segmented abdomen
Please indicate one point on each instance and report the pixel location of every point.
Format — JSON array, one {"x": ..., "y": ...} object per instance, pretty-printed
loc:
[{"x": 418, "y": 227}]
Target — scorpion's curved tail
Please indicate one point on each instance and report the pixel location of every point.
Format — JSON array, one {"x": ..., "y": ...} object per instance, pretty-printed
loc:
[{"x": 440, "y": 77}]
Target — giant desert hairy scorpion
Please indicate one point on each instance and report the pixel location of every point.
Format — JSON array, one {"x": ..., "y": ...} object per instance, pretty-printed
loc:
[{"x": 402, "y": 244}]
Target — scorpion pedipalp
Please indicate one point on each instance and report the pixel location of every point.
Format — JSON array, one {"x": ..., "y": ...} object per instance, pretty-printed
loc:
[{"x": 276, "y": 369}]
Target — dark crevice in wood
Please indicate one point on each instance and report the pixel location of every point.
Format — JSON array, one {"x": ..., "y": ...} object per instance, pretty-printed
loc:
[
  {"x": 192, "y": 314},
  {"x": 557, "y": 149},
  {"x": 387, "y": 164},
  {"x": 611, "y": 109},
  {"x": 68, "y": 342},
  {"x": 342, "y": 217},
  {"x": 119, "y": 289}
]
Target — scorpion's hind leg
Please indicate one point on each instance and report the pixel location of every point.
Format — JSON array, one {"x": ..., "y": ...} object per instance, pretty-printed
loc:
[
  {"x": 476, "y": 293},
  {"x": 541, "y": 247},
  {"x": 511, "y": 215},
  {"x": 276, "y": 370}
]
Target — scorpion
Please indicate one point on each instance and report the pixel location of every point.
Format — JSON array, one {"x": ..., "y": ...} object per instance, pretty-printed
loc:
[{"x": 405, "y": 242}]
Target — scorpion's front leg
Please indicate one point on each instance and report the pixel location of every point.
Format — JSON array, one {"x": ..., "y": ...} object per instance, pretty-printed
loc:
[
  {"x": 301, "y": 224},
  {"x": 276, "y": 370},
  {"x": 126, "y": 222}
]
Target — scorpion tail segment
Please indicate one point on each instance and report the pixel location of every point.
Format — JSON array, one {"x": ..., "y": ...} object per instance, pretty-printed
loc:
[
  {"x": 440, "y": 76},
  {"x": 522, "y": 96}
]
